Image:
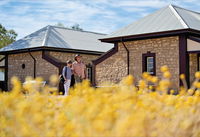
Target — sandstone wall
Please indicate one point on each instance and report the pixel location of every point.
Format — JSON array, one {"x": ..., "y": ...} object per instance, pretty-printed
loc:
[
  {"x": 64, "y": 56},
  {"x": 115, "y": 67},
  {"x": 43, "y": 68},
  {"x": 193, "y": 65}
]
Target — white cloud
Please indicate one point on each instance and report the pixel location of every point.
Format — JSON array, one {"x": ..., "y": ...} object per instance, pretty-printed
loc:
[
  {"x": 141, "y": 3},
  {"x": 26, "y": 16},
  {"x": 3, "y": 2}
]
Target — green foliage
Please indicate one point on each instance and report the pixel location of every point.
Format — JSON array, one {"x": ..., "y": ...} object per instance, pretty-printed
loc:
[
  {"x": 6, "y": 36},
  {"x": 60, "y": 24},
  {"x": 76, "y": 27}
]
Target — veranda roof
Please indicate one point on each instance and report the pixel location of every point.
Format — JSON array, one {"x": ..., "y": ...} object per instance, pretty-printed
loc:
[{"x": 60, "y": 38}]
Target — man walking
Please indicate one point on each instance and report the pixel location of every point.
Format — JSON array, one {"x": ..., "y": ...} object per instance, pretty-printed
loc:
[{"x": 79, "y": 69}]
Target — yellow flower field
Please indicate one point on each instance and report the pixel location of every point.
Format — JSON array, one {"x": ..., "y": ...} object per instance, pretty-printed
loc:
[{"x": 120, "y": 110}]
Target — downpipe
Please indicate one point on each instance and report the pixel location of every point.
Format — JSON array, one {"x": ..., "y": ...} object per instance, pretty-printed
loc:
[
  {"x": 128, "y": 58},
  {"x": 34, "y": 64}
]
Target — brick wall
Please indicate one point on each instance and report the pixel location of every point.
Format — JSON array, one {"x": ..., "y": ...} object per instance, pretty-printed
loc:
[{"x": 115, "y": 67}]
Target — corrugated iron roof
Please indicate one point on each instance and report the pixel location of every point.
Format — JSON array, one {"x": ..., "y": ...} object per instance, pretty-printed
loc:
[
  {"x": 60, "y": 37},
  {"x": 166, "y": 19}
]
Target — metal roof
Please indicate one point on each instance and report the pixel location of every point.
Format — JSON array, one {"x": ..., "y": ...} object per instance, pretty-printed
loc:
[
  {"x": 166, "y": 19},
  {"x": 59, "y": 37}
]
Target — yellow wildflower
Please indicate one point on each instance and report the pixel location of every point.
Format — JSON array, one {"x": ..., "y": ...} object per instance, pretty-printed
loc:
[
  {"x": 164, "y": 68},
  {"x": 167, "y": 74},
  {"x": 197, "y": 75}
]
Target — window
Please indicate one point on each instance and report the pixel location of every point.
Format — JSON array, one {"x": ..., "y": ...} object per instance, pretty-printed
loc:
[
  {"x": 149, "y": 63},
  {"x": 23, "y": 66},
  {"x": 2, "y": 68},
  {"x": 89, "y": 72},
  {"x": 2, "y": 74}
]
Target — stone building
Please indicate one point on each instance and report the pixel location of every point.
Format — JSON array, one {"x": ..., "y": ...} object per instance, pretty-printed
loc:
[
  {"x": 45, "y": 51},
  {"x": 170, "y": 36}
]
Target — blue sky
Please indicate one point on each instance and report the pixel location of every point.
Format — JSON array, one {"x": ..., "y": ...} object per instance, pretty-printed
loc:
[{"x": 105, "y": 16}]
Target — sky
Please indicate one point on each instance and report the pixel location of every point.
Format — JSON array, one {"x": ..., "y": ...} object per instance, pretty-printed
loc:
[{"x": 104, "y": 16}]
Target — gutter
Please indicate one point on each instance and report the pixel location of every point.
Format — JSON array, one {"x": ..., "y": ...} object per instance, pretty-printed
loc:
[
  {"x": 128, "y": 58},
  {"x": 34, "y": 64},
  {"x": 151, "y": 35},
  {"x": 52, "y": 49}
]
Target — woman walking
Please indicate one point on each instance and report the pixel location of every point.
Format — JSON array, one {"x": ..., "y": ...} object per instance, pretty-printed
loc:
[{"x": 67, "y": 73}]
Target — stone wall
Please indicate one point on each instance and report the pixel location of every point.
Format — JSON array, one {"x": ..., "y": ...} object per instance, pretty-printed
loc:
[
  {"x": 193, "y": 66},
  {"x": 64, "y": 56},
  {"x": 43, "y": 68},
  {"x": 115, "y": 67}
]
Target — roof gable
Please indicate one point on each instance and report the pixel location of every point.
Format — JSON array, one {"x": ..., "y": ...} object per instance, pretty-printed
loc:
[
  {"x": 59, "y": 37},
  {"x": 72, "y": 39},
  {"x": 169, "y": 18}
]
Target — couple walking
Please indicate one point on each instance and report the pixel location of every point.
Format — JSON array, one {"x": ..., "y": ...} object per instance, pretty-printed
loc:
[{"x": 77, "y": 68}]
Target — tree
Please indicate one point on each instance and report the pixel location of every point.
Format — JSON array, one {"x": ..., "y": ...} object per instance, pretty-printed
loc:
[
  {"x": 6, "y": 36},
  {"x": 76, "y": 27},
  {"x": 60, "y": 24}
]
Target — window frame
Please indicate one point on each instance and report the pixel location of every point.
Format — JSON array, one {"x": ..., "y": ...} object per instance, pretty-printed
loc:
[
  {"x": 144, "y": 62},
  {"x": 198, "y": 64}
]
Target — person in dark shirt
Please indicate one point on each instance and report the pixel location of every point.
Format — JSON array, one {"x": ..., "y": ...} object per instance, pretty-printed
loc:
[{"x": 67, "y": 73}]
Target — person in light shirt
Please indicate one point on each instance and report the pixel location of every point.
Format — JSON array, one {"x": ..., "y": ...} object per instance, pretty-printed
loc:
[{"x": 79, "y": 69}]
